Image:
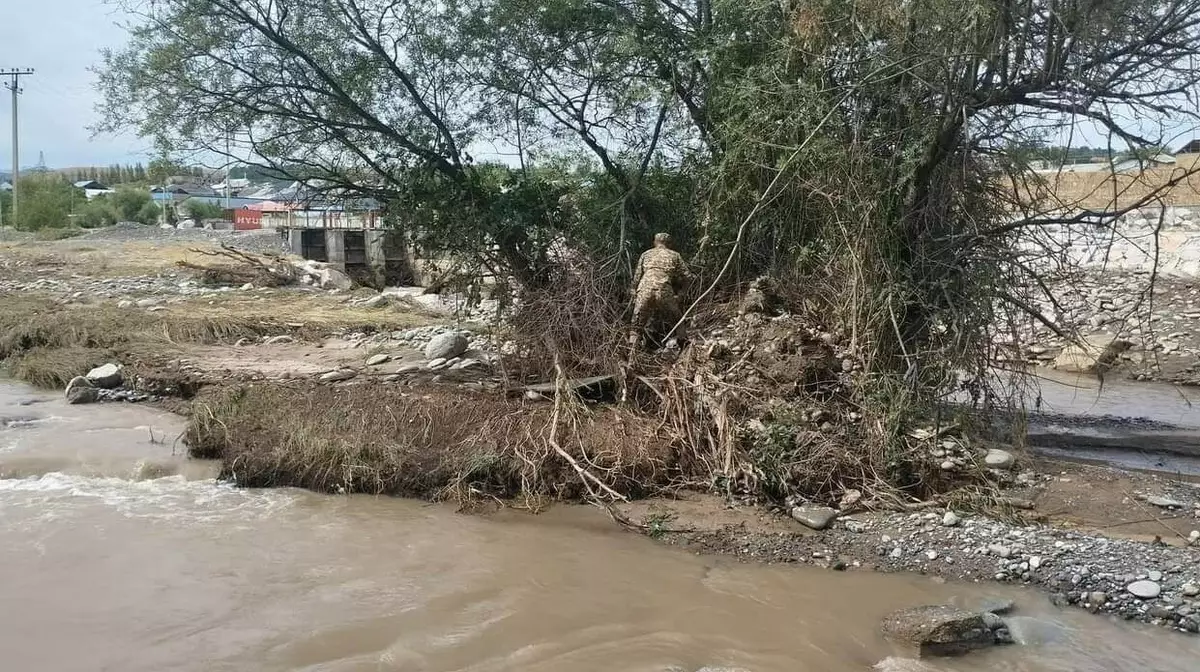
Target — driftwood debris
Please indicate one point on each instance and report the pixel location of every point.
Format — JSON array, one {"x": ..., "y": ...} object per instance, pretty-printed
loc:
[{"x": 238, "y": 267}]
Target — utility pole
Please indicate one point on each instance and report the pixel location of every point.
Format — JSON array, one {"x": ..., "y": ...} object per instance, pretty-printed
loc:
[{"x": 15, "y": 87}]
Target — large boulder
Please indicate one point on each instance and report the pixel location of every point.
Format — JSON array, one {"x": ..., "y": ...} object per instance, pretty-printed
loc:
[
  {"x": 1095, "y": 353},
  {"x": 106, "y": 377},
  {"x": 81, "y": 391},
  {"x": 937, "y": 630},
  {"x": 331, "y": 278},
  {"x": 446, "y": 346}
]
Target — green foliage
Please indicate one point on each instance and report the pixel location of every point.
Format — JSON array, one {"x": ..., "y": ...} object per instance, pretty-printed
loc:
[
  {"x": 148, "y": 214},
  {"x": 96, "y": 213},
  {"x": 45, "y": 201},
  {"x": 133, "y": 205},
  {"x": 203, "y": 210}
]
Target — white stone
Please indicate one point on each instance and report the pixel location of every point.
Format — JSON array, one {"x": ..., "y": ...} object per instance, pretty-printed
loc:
[
  {"x": 107, "y": 376},
  {"x": 950, "y": 519},
  {"x": 339, "y": 375},
  {"x": 997, "y": 549},
  {"x": 446, "y": 346},
  {"x": 1144, "y": 589},
  {"x": 436, "y": 363},
  {"x": 375, "y": 360},
  {"x": 1035, "y": 561},
  {"x": 998, "y": 459}
]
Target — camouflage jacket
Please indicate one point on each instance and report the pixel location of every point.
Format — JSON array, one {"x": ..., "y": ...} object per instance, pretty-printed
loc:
[{"x": 659, "y": 268}]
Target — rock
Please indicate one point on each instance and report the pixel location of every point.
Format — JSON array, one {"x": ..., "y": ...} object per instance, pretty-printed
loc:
[
  {"x": 999, "y": 550},
  {"x": 1097, "y": 598},
  {"x": 155, "y": 309},
  {"x": 937, "y": 630},
  {"x": 855, "y": 526},
  {"x": 339, "y": 375},
  {"x": 1159, "y": 611},
  {"x": 998, "y": 459},
  {"x": 106, "y": 377},
  {"x": 148, "y": 303},
  {"x": 1035, "y": 562},
  {"x": 248, "y": 287},
  {"x": 850, "y": 498},
  {"x": 1144, "y": 589},
  {"x": 1154, "y": 575},
  {"x": 992, "y": 621},
  {"x": 1194, "y": 537},
  {"x": 125, "y": 303},
  {"x": 531, "y": 395},
  {"x": 279, "y": 340},
  {"x": 446, "y": 346},
  {"x": 375, "y": 360},
  {"x": 1191, "y": 590},
  {"x": 81, "y": 391},
  {"x": 996, "y": 605},
  {"x": 436, "y": 363},
  {"x": 1098, "y": 351},
  {"x": 410, "y": 367},
  {"x": 331, "y": 278},
  {"x": 950, "y": 519},
  {"x": 1163, "y": 502},
  {"x": 468, "y": 364},
  {"x": 377, "y": 301},
  {"x": 815, "y": 517}
]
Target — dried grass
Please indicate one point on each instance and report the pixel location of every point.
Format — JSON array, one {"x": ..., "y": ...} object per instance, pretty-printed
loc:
[{"x": 440, "y": 445}]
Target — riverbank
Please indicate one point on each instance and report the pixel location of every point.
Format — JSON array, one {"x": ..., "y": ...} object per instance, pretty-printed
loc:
[
  {"x": 1093, "y": 538},
  {"x": 339, "y": 391}
]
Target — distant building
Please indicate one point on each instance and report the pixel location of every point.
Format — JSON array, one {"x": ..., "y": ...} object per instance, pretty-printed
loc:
[
  {"x": 181, "y": 192},
  {"x": 92, "y": 188}
]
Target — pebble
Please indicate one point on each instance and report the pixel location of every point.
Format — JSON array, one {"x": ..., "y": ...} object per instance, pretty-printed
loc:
[
  {"x": 1097, "y": 598},
  {"x": 1144, "y": 589},
  {"x": 436, "y": 363},
  {"x": 339, "y": 375},
  {"x": 1164, "y": 502},
  {"x": 1191, "y": 589},
  {"x": 1035, "y": 562},
  {"x": 950, "y": 519},
  {"x": 375, "y": 360},
  {"x": 1194, "y": 537},
  {"x": 932, "y": 555},
  {"x": 1155, "y": 575},
  {"x": 410, "y": 367},
  {"x": 997, "y": 549}
]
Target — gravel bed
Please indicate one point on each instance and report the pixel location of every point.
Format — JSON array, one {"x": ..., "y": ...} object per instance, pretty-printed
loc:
[{"x": 1154, "y": 583}]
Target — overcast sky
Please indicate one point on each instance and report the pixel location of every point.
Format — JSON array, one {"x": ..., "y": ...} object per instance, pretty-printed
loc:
[{"x": 60, "y": 40}]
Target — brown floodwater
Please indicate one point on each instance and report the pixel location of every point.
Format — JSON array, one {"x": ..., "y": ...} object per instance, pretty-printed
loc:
[{"x": 119, "y": 554}]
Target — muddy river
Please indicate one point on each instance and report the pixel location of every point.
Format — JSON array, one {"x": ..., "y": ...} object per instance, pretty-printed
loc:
[{"x": 118, "y": 554}]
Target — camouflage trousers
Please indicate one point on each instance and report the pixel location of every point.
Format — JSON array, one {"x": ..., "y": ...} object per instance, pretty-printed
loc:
[{"x": 656, "y": 306}]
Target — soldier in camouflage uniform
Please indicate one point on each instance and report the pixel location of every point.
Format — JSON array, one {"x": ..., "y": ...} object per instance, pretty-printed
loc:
[{"x": 660, "y": 274}]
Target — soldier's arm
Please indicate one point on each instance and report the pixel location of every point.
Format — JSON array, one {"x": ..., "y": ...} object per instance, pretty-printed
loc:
[
  {"x": 641, "y": 268},
  {"x": 682, "y": 271}
]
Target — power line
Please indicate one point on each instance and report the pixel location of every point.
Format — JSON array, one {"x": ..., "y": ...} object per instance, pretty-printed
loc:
[{"x": 15, "y": 87}]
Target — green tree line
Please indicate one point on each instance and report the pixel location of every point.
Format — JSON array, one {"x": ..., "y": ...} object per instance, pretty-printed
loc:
[{"x": 53, "y": 202}]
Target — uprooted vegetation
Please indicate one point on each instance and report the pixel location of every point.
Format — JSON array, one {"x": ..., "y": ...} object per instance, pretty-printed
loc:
[{"x": 440, "y": 444}]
